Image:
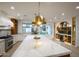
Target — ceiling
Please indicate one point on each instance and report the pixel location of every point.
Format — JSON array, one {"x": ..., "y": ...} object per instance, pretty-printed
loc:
[{"x": 50, "y": 10}]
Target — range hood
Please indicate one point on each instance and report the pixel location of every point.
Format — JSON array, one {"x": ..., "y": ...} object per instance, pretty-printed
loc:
[{"x": 5, "y": 22}]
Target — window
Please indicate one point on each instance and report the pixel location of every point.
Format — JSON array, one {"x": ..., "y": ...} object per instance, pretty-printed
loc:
[
  {"x": 26, "y": 27},
  {"x": 44, "y": 29}
]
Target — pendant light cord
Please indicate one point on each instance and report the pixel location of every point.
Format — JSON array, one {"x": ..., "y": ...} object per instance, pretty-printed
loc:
[{"x": 39, "y": 8}]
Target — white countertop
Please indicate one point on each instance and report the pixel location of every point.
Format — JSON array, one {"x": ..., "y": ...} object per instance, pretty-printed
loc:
[
  {"x": 1, "y": 40},
  {"x": 47, "y": 48}
]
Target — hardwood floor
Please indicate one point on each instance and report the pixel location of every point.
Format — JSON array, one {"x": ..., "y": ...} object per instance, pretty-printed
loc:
[{"x": 75, "y": 51}]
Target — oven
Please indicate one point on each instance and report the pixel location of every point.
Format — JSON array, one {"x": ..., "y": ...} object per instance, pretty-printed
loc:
[{"x": 8, "y": 42}]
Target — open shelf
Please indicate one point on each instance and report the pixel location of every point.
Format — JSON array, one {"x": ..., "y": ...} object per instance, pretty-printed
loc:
[
  {"x": 63, "y": 37},
  {"x": 63, "y": 32}
]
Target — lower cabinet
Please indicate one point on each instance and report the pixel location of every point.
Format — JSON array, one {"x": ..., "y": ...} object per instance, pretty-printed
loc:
[
  {"x": 15, "y": 39},
  {"x": 18, "y": 37},
  {"x": 2, "y": 47}
]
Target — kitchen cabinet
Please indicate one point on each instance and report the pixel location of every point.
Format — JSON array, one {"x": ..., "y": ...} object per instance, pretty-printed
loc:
[
  {"x": 18, "y": 37},
  {"x": 2, "y": 47},
  {"x": 15, "y": 39}
]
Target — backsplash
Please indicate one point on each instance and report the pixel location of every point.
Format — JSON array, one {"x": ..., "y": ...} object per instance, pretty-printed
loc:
[{"x": 5, "y": 32}]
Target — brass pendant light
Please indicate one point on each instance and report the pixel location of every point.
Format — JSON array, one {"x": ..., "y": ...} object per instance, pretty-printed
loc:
[{"x": 38, "y": 20}]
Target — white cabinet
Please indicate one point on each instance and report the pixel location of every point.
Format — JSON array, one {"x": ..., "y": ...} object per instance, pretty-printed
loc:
[
  {"x": 15, "y": 39},
  {"x": 18, "y": 37},
  {"x": 21, "y": 37},
  {"x": 2, "y": 47}
]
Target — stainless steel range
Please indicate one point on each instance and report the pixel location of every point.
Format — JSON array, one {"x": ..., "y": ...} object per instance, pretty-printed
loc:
[{"x": 8, "y": 42}]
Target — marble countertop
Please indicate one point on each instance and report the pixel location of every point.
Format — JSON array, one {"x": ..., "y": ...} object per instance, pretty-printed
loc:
[
  {"x": 1, "y": 40},
  {"x": 47, "y": 48}
]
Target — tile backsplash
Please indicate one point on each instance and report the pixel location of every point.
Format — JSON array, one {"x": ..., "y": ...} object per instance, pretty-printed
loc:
[{"x": 4, "y": 32}]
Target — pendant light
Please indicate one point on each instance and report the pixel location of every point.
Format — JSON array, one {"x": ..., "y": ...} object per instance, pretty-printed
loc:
[{"x": 38, "y": 20}]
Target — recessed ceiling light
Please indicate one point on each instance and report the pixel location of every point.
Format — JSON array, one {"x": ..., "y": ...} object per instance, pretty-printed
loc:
[
  {"x": 21, "y": 18},
  {"x": 50, "y": 20},
  {"x": 55, "y": 17},
  {"x": 12, "y": 7},
  {"x": 11, "y": 17},
  {"x": 18, "y": 14},
  {"x": 62, "y": 14},
  {"x": 77, "y": 7}
]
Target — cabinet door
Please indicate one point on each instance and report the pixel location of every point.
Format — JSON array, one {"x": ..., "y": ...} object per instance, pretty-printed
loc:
[
  {"x": 15, "y": 39},
  {"x": 2, "y": 48},
  {"x": 21, "y": 37}
]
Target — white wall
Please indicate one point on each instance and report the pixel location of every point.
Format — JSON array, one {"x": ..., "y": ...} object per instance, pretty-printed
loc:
[{"x": 19, "y": 26}]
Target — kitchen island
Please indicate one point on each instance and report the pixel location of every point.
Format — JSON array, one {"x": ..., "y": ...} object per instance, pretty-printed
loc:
[{"x": 45, "y": 47}]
